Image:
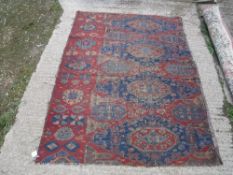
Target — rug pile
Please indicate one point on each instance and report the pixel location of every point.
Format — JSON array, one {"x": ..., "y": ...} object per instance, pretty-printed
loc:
[
  {"x": 127, "y": 93},
  {"x": 222, "y": 41}
]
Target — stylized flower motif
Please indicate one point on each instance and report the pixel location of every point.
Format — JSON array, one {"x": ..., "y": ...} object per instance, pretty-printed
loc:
[
  {"x": 86, "y": 43},
  {"x": 181, "y": 69},
  {"x": 115, "y": 67},
  {"x": 189, "y": 112},
  {"x": 86, "y": 78},
  {"x": 65, "y": 77},
  {"x": 62, "y": 120},
  {"x": 88, "y": 27},
  {"x": 77, "y": 64},
  {"x": 77, "y": 109},
  {"x": 59, "y": 108},
  {"x": 72, "y": 96},
  {"x": 108, "y": 111},
  {"x": 64, "y": 133}
]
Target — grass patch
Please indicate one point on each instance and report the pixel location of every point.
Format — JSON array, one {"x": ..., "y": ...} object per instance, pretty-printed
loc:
[
  {"x": 228, "y": 110},
  {"x": 26, "y": 27}
]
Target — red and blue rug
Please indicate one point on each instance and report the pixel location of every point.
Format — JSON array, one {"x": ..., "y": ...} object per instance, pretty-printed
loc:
[{"x": 127, "y": 93}]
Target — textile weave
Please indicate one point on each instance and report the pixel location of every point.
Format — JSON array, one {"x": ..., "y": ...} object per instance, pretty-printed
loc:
[{"x": 127, "y": 93}]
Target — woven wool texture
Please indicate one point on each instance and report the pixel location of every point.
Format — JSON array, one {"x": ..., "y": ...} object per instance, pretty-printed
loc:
[
  {"x": 127, "y": 93},
  {"x": 222, "y": 41}
]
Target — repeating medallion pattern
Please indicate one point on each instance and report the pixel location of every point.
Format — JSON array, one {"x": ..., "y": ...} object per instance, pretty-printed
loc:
[{"x": 127, "y": 93}]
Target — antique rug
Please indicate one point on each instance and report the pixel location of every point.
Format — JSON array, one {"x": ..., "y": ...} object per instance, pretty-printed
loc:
[
  {"x": 222, "y": 41},
  {"x": 127, "y": 93}
]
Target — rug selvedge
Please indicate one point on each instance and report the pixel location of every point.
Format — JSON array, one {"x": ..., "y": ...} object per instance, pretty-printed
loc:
[{"x": 127, "y": 93}]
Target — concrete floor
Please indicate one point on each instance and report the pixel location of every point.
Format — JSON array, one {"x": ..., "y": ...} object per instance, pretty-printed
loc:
[{"x": 24, "y": 137}]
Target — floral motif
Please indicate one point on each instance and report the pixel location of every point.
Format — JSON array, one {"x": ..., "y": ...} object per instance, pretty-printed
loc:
[
  {"x": 114, "y": 67},
  {"x": 77, "y": 109},
  {"x": 60, "y": 108},
  {"x": 86, "y": 43},
  {"x": 181, "y": 69},
  {"x": 68, "y": 120},
  {"x": 106, "y": 111},
  {"x": 88, "y": 27},
  {"x": 64, "y": 133},
  {"x": 77, "y": 64},
  {"x": 72, "y": 96}
]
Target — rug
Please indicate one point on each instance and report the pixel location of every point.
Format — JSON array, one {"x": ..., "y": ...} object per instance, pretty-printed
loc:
[
  {"x": 127, "y": 93},
  {"x": 222, "y": 41}
]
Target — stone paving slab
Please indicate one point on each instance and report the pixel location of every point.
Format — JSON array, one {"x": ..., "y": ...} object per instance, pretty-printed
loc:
[{"x": 24, "y": 137}]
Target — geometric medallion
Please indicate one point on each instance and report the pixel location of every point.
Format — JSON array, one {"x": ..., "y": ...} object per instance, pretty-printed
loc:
[
  {"x": 151, "y": 139},
  {"x": 147, "y": 89}
]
